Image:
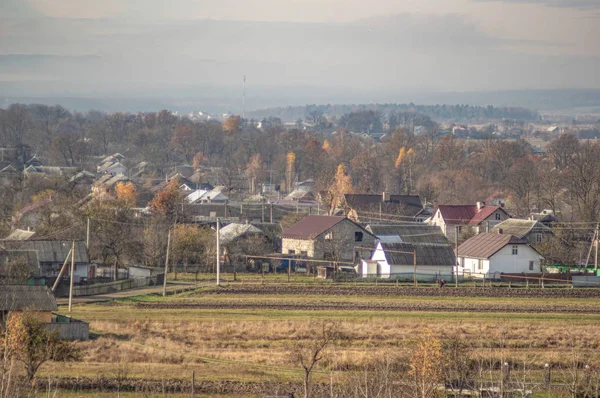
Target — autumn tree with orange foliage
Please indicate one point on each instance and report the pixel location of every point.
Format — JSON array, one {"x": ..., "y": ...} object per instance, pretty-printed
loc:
[
  {"x": 28, "y": 340},
  {"x": 426, "y": 366},
  {"x": 198, "y": 159},
  {"x": 290, "y": 167},
  {"x": 232, "y": 124},
  {"x": 255, "y": 171},
  {"x": 167, "y": 201},
  {"x": 342, "y": 184},
  {"x": 126, "y": 193}
]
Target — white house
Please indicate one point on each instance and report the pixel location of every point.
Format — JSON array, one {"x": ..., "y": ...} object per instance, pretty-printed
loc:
[
  {"x": 396, "y": 260},
  {"x": 491, "y": 254},
  {"x": 479, "y": 217}
]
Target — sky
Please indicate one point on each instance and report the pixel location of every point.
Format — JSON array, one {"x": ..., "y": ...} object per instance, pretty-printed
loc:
[{"x": 176, "y": 48}]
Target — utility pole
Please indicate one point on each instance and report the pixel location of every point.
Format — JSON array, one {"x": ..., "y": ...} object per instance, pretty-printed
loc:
[
  {"x": 457, "y": 262},
  {"x": 62, "y": 271},
  {"x": 87, "y": 239},
  {"x": 271, "y": 211},
  {"x": 415, "y": 268},
  {"x": 72, "y": 277},
  {"x": 167, "y": 263},
  {"x": 596, "y": 253},
  {"x": 218, "y": 254}
]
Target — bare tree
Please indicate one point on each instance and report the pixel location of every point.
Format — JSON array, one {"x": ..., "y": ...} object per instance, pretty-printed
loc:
[{"x": 309, "y": 353}]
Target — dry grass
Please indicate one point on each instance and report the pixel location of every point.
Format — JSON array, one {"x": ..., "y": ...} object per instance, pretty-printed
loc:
[{"x": 254, "y": 345}]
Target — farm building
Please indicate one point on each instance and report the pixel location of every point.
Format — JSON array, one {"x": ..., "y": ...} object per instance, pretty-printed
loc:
[
  {"x": 395, "y": 260},
  {"x": 38, "y": 299},
  {"x": 491, "y": 254}
]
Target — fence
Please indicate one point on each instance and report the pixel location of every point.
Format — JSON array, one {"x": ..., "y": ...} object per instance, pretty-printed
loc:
[
  {"x": 68, "y": 328},
  {"x": 112, "y": 287}
]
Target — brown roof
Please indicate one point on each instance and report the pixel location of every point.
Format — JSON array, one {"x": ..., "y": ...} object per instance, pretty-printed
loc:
[
  {"x": 310, "y": 227},
  {"x": 488, "y": 244},
  {"x": 20, "y": 298},
  {"x": 484, "y": 213}
]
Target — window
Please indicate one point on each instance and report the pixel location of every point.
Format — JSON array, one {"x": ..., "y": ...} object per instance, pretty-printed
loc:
[
  {"x": 358, "y": 236},
  {"x": 538, "y": 238},
  {"x": 329, "y": 235},
  {"x": 461, "y": 261},
  {"x": 531, "y": 266},
  {"x": 459, "y": 229},
  {"x": 498, "y": 216},
  {"x": 304, "y": 253},
  {"x": 480, "y": 264},
  {"x": 291, "y": 251},
  {"x": 515, "y": 250}
]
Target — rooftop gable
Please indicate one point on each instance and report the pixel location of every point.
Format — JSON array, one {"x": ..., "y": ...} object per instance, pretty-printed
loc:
[{"x": 486, "y": 245}]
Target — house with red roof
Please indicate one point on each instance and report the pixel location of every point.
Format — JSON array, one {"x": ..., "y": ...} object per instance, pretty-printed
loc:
[
  {"x": 453, "y": 218},
  {"x": 495, "y": 253},
  {"x": 330, "y": 238}
]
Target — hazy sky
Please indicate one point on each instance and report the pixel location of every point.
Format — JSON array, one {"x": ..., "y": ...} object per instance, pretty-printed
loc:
[{"x": 76, "y": 47}]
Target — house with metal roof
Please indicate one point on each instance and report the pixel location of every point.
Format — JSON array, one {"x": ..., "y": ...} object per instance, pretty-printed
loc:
[
  {"x": 534, "y": 232},
  {"x": 408, "y": 233},
  {"x": 50, "y": 256},
  {"x": 402, "y": 251},
  {"x": 491, "y": 254},
  {"x": 479, "y": 217},
  {"x": 19, "y": 298},
  {"x": 332, "y": 238}
]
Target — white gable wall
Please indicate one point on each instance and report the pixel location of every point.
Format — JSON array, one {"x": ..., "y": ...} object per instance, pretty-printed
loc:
[
  {"x": 504, "y": 261},
  {"x": 379, "y": 256}
]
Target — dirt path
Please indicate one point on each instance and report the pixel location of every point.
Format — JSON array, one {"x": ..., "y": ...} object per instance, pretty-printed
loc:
[{"x": 171, "y": 289}]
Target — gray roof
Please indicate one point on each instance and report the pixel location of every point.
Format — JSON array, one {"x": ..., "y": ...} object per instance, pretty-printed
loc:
[
  {"x": 520, "y": 228},
  {"x": 410, "y": 233},
  {"x": 20, "y": 234},
  {"x": 18, "y": 256},
  {"x": 49, "y": 251},
  {"x": 20, "y": 298},
  {"x": 427, "y": 254},
  {"x": 231, "y": 232}
]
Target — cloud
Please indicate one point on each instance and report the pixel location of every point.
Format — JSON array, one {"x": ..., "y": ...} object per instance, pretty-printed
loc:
[{"x": 575, "y": 4}]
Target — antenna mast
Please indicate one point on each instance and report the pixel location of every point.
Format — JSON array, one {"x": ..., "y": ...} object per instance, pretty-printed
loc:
[{"x": 244, "y": 100}]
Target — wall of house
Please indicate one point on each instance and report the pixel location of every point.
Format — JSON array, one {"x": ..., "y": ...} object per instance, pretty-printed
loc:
[
  {"x": 470, "y": 266},
  {"x": 505, "y": 261},
  {"x": 298, "y": 246},
  {"x": 384, "y": 267},
  {"x": 424, "y": 272},
  {"x": 343, "y": 242}
]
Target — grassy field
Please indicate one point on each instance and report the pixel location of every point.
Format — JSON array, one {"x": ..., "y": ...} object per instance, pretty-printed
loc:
[{"x": 253, "y": 345}]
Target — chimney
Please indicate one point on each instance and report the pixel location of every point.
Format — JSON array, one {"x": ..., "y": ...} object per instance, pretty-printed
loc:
[
  {"x": 385, "y": 197},
  {"x": 480, "y": 205},
  {"x": 500, "y": 231}
]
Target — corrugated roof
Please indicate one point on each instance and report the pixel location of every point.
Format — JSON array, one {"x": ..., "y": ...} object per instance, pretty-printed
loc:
[
  {"x": 410, "y": 233},
  {"x": 310, "y": 227},
  {"x": 407, "y": 205},
  {"x": 18, "y": 256},
  {"x": 49, "y": 251},
  {"x": 486, "y": 245},
  {"x": 520, "y": 228},
  {"x": 432, "y": 254},
  {"x": 233, "y": 231},
  {"x": 21, "y": 298},
  {"x": 20, "y": 234}
]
